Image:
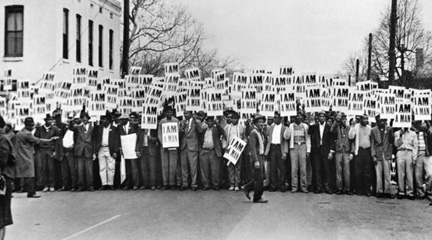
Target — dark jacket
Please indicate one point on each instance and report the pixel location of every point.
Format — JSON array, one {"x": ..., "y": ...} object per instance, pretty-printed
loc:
[
  {"x": 43, "y": 133},
  {"x": 113, "y": 139},
  {"x": 7, "y": 157},
  {"x": 133, "y": 128},
  {"x": 84, "y": 141},
  {"x": 189, "y": 137},
  {"x": 217, "y": 133},
  {"x": 342, "y": 142},
  {"x": 384, "y": 145},
  {"x": 327, "y": 141}
]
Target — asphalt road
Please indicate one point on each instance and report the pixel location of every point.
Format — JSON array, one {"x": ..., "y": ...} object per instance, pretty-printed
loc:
[{"x": 169, "y": 214}]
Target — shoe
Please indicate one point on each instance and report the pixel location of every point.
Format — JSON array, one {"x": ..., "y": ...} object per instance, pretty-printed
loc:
[
  {"x": 142, "y": 188},
  {"x": 349, "y": 193},
  {"x": 194, "y": 189},
  {"x": 368, "y": 194},
  {"x": 421, "y": 197},
  {"x": 102, "y": 188},
  {"x": 305, "y": 191},
  {"x": 111, "y": 187},
  {"x": 318, "y": 191},
  {"x": 181, "y": 188},
  {"x": 272, "y": 189},
  {"x": 293, "y": 190},
  {"x": 246, "y": 192},
  {"x": 231, "y": 188},
  {"x": 33, "y": 196},
  {"x": 205, "y": 188},
  {"x": 216, "y": 188},
  {"x": 91, "y": 189},
  {"x": 400, "y": 196},
  {"x": 260, "y": 201},
  {"x": 339, "y": 193},
  {"x": 73, "y": 190},
  {"x": 135, "y": 188},
  {"x": 62, "y": 189},
  {"x": 236, "y": 189},
  {"x": 125, "y": 188},
  {"x": 282, "y": 189},
  {"x": 46, "y": 189},
  {"x": 153, "y": 188},
  {"x": 52, "y": 189},
  {"x": 411, "y": 197},
  {"x": 79, "y": 189}
]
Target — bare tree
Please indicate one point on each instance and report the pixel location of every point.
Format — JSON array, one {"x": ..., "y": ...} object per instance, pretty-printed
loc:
[
  {"x": 410, "y": 36},
  {"x": 161, "y": 33}
]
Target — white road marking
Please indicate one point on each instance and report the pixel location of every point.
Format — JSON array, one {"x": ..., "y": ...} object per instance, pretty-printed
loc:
[{"x": 90, "y": 228}]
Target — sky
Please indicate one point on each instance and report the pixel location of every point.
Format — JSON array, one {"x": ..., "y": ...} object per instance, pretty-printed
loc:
[{"x": 311, "y": 35}]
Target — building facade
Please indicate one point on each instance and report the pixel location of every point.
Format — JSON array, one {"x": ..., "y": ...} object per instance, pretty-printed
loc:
[{"x": 59, "y": 35}]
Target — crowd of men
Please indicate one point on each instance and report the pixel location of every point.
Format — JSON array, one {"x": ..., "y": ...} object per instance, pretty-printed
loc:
[{"x": 325, "y": 154}]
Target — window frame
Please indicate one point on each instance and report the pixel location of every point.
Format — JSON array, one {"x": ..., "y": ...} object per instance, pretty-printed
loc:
[{"x": 18, "y": 51}]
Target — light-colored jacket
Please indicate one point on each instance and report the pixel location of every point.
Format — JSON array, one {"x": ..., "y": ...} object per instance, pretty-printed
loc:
[
  {"x": 284, "y": 143},
  {"x": 288, "y": 132},
  {"x": 355, "y": 132}
]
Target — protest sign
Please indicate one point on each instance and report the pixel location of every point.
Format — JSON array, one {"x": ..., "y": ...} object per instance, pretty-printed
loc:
[
  {"x": 313, "y": 99},
  {"x": 39, "y": 107},
  {"x": 193, "y": 102},
  {"x": 92, "y": 79},
  {"x": 399, "y": 93},
  {"x": 3, "y": 107},
  {"x": 341, "y": 98},
  {"x": 248, "y": 102},
  {"x": 170, "y": 135},
  {"x": 356, "y": 102},
  {"x": 180, "y": 103},
  {"x": 154, "y": 95},
  {"x": 214, "y": 103},
  {"x": 279, "y": 83},
  {"x": 149, "y": 116},
  {"x": 193, "y": 74},
  {"x": 286, "y": 70},
  {"x": 126, "y": 105},
  {"x": 326, "y": 99},
  {"x": 234, "y": 150},
  {"x": 8, "y": 81},
  {"x": 79, "y": 77},
  {"x": 403, "y": 118},
  {"x": 371, "y": 108},
  {"x": 256, "y": 81},
  {"x": 422, "y": 105},
  {"x": 47, "y": 82},
  {"x": 171, "y": 68},
  {"x": 134, "y": 70},
  {"x": 268, "y": 104},
  {"x": 138, "y": 96},
  {"x": 288, "y": 105},
  {"x": 387, "y": 105},
  {"x": 267, "y": 83},
  {"x": 128, "y": 144},
  {"x": 171, "y": 84},
  {"x": 300, "y": 87},
  {"x": 97, "y": 103}
]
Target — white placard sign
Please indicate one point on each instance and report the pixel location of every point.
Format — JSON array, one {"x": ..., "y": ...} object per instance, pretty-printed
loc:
[
  {"x": 193, "y": 101},
  {"x": 128, "y": 143},
  {"x": 248, "y": 102},
  {"x": 387, "y": 106},
  {"x": 171, "y": 68},
  {"x": 234, "y": 150},
  {"x": 268, "y": 104},
  {"x": 356, "y": 102},
  {"x": 371, "y": 108},
  {"x": 180, "y": 103},
  {"x": 403, "y": 118},
  {"x": 170, "y": 135},
  {"x": 288, "y": 105},
  {"x": 149, "y": 117},
  {"x": 313, "y": 99},
  {"x": 214, "y": 103},
  {"x": 341, "y": 98},
  {"x": 422, "y": 105}
]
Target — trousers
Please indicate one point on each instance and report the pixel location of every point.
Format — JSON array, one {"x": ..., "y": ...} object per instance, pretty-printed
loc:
[
  {"x": 342, "y": 172},
  {"x": 85, "y": 172},
  {"x": 189, "y": 166},
  {"x": 382, "y": 170},
  {"x": 277, "y": 167},
  {"x": 69, "y": 169},
  {"x": 234, "y": 173},
  {"x": 106, "y": 166},
  {"x": 45, "y": 168},
  {"x": 209, "y": 166},
  {"x": 428, "y": 176},
  {"x": 148, "y": 168},
  {"x": 169, "y": 164},
  {"x": 364, "y": 170},
  {"x": 322, "y": 171},
  {"x": 419, "y": 171},
  {"x": 404, "y": 160},
  {"x": 298, "y": 162},
  {"x": 257, "y": 183},
  {"x": 132, "y": 173}
]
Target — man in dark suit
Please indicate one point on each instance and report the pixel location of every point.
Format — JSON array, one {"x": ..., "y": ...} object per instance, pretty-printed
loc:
[
  {"x": 189, "y": 130},
  {"x": 321, "y": 144},
  {"x": 149, "y": 156},
  {"x": 276, "y": 152},
  {"x": 211, "y": 153},
  {"x": 132, "y": 167},
  {"x": 84, "y": 152},
  {"x": 107, "y": 147}
]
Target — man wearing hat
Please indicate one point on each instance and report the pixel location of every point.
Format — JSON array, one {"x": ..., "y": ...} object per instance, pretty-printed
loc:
[
  {"x": 132, "y": 166},
  {"x": 69, "y": 165},
  {"x": 300, "y": 147},
  {"x": 382, "y": 149},
  {"x": 84, "y": 153},
  {"x": 321, "y": 144},
  {"x": 169, "y": 155},
  {"x": 107, "y": 147},
  {"x": 257, "y": 152},
  {"x": 24, "y": 153},
  {"x": 211, "y": 153},
  {"x": 189, "y": 130},
  {"x": 45, "y": 155}
]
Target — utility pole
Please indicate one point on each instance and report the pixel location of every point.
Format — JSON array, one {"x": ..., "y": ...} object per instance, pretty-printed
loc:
[
  {"x": 369, "y": 57},
  {"x": 357, "y": 70},
  {"x": 125, "y": 57},
  {"x": 392, "y": 52}
]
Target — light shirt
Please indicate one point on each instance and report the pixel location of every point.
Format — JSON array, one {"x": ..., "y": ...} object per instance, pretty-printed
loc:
[
  {"x": 146, "y": 137},
  {"x": 299, "y": 133},
  {"x": 234, "y": 131},
  {"x": 276, "y": 137},
  {"x": 105, "y": 136},
  {"x": 421, "y": 142},
  {"x": 189, "y": 124},
  {"x": 321, "y": 129},
  {"x": 208, "y": 139},
  {"x": 126, "y": 128},
  {"x": 86, "y": 126},
  {"x": 364, "y": 136}
]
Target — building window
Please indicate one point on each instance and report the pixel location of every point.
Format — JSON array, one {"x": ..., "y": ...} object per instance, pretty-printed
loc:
[
  {"x": 65, "y": 33},
  {"x": 90, "y": 40},
  {"x": 78, "y": 38},
  {"x": 100, "y": 48},
  {"x": 14, "y": 31},
  {"x": 111, "y": 45}
]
